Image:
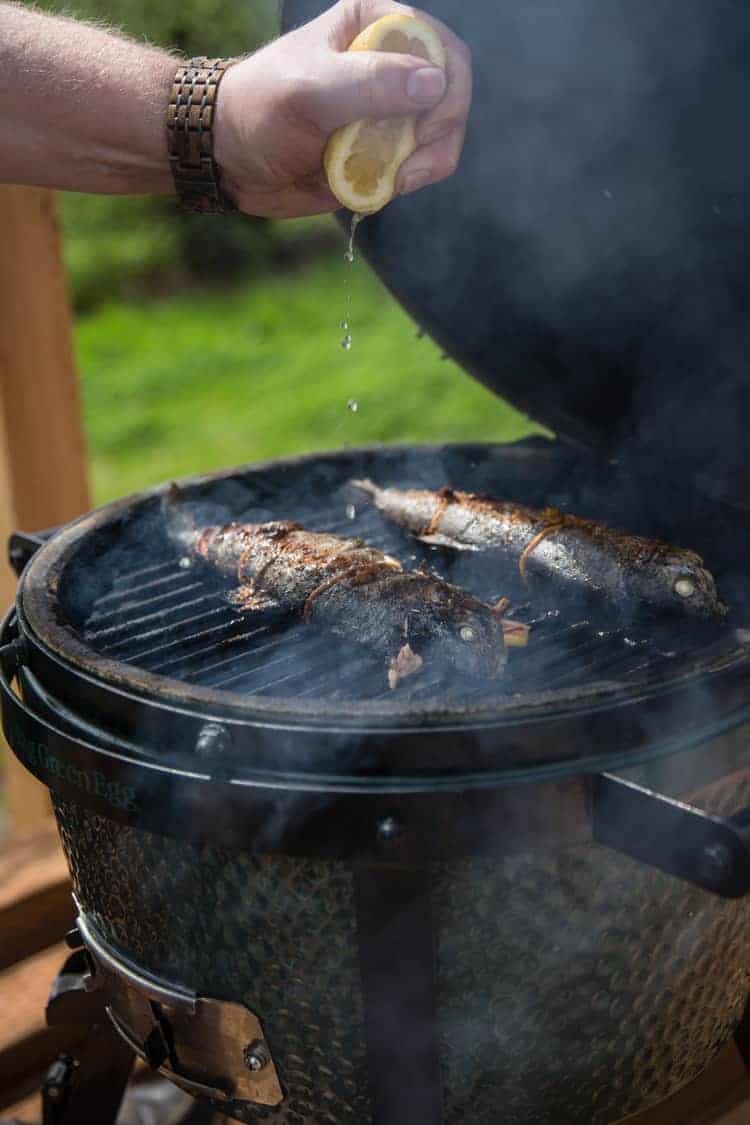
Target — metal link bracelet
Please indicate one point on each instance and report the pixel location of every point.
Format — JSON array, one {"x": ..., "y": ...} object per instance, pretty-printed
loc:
[{"x": 190, "y": 118}]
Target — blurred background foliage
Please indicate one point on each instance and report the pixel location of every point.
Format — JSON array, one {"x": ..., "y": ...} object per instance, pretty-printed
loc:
[
  {"x": 164, "y": 247},
  {"x": 207, "y": 341},
  {"x": 194, "y": 27}
]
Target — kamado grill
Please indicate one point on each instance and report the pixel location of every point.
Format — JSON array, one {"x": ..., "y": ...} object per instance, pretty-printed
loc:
[
  {"x": 310, "y": 900},
  {"x": 419, "y": 905}
]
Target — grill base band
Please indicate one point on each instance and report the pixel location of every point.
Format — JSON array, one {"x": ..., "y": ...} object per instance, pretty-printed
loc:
[{"x": 211, "y": 1048}]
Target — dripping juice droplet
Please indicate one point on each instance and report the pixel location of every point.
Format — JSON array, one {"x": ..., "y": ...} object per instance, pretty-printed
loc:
[{"x": 356, "y": 219}]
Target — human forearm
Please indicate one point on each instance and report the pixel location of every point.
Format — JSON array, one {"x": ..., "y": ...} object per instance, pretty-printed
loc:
[{"x": 83, "y": 108}]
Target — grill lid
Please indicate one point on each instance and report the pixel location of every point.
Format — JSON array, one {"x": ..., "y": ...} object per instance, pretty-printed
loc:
[{"x": 588, "y": 260}]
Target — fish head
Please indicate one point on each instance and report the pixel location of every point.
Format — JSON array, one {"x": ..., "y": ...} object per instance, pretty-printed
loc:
[
  {"x": 451, "y": 627},
  {"x": 476, "y": 644},
  {"x": 677, "y": 582}
]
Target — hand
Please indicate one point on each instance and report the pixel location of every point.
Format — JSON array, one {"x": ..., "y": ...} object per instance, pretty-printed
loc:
[{"x": 277, "y": 109}]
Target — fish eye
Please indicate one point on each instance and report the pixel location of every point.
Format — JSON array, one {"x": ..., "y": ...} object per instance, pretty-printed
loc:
[
  {"x": 467, "y": 634},
  {"x": 685, "y": 587}
]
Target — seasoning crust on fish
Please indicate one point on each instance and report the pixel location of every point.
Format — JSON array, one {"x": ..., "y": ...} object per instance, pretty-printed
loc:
[
  {"x": 358, "y": 593},
  {"x": 554, "y": 553}
]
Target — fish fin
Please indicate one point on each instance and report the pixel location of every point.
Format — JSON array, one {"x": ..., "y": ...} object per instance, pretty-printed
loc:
[
  {"x": 405, "y": 663},
  {"x": 515, "y": 633},
  {"x": 438, "y": 540},
  {"x": 366, "y": 485},
  {"x": 179, "y": 521},
  {"x": 248, "y": 599},
  {"x": 174, "y": 493}
]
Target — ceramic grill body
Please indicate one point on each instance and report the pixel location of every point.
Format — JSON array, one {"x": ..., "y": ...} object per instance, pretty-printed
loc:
[{"x": 434, "y": 901}]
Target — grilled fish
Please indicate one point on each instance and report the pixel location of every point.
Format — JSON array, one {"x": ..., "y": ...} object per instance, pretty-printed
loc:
[
  {"x": 556, "y": 555},
  {"x": 358, "y": 593}
]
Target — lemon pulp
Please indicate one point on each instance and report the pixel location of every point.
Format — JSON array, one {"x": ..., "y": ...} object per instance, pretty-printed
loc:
[{"x": 362, "y": 159}]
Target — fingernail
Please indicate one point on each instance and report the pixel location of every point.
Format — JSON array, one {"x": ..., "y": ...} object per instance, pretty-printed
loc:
[
  {"x": 416, "y": 180},
  {"x": 426, "y": 85}
]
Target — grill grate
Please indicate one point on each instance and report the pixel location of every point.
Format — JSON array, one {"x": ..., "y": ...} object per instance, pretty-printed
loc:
[{"x": 173, "y": 618}]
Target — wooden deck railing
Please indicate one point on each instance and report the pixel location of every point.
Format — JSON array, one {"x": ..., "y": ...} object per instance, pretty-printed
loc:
[
  {"x": 42, "y": 483},
  {"x": 42, "y": 459}
]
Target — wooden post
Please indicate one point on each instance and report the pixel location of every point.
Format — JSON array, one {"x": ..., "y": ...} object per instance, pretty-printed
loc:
[{"x": 42, "y": 457}]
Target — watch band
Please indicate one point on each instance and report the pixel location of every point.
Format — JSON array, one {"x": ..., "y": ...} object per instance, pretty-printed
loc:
[{"x": 190, "y": 118}]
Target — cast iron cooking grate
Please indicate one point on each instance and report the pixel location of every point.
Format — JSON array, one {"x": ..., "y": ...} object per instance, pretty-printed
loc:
[{"x": 172, "y": 618}]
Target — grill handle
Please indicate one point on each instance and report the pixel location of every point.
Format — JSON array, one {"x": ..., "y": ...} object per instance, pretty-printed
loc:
[
  {"x": 711, "y": 852},
  {"x": 23, "y": 545}
]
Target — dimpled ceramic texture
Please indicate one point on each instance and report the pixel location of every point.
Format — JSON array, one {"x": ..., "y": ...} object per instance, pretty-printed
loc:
[
  {"x": 273, "y": 933},
  {"x": 574, "y": 987}
]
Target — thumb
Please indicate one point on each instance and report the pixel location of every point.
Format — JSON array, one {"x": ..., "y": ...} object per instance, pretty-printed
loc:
[{"x": 376, "y": 84}]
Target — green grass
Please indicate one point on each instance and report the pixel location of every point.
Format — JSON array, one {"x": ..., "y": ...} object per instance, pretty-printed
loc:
[{"x": 218, "y": 378}]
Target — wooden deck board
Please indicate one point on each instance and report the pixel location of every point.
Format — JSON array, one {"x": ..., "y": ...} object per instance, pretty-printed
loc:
[
  {"x": 36, "y": 908},
  {"x": 27, "y": 1045},
  {"x": 724, "y": 1088}
]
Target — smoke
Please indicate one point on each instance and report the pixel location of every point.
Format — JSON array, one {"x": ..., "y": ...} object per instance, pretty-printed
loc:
[
  {"x": 588, "y": 260},
  {"x": 139, "y": 595},
  {"x": 559, "y": 964}
]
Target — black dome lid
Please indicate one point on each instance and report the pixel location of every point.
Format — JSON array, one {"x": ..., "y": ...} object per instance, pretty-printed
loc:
[{"x": 589, "y": 260}]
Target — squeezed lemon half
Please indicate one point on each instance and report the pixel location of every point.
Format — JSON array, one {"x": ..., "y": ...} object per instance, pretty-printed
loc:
[{"x": 362, "y": 159}]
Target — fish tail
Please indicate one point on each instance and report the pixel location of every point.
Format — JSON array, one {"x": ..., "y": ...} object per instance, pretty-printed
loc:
[{"x": 181, "y": 525}]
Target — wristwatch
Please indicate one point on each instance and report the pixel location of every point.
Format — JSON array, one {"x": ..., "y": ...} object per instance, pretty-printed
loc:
[{"x": 190, "y": 118}]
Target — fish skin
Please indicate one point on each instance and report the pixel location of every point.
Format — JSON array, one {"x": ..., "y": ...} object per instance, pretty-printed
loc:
[
  {"x": 356, "y": 592},
  {"x": 558, "y": 556},
  {"x": 284, "y": 559}
]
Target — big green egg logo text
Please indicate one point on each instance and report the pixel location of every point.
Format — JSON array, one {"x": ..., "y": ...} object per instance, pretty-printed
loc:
[{"x": 36, "y": 756}]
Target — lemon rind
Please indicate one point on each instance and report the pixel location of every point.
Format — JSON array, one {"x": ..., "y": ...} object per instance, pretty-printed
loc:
[
  {"x": 339, "y": 144},
  {"x": 370, "y": 38}
]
